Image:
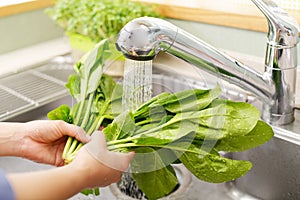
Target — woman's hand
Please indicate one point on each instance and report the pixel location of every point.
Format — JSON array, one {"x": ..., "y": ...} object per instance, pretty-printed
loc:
[
  {"x": 88, "y": 169},
  {"x": 44, "y": 140},
  {"x": 98, "y": 166}
]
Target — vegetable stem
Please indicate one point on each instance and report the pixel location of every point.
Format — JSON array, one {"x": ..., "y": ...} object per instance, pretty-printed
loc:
[
  {"x": 130, "y": 145},
  {"x": 159, "y": 127},
  {"x": 73, "y": 147},
  {"x": 143, "y": 122},
  {"x": 67, "y": 147},
  {"x": 115, "y": 142},
  {"x": 78, "y": 113},
  {"x": 87, "y": 114}
]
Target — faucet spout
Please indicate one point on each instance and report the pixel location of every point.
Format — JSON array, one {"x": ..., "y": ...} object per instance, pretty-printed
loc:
[
  {"x": 143, "y": 38},
  {"x": 283, "y": 29}
]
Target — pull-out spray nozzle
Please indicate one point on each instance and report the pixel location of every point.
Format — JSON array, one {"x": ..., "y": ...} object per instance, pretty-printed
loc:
[{"x": 143, "y": 38}]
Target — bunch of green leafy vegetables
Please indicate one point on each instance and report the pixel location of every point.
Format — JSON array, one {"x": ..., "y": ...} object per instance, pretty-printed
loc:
[
  {"x": 95, "y": 93},
  {"x": 189, "y": 127},
  {"x": 97, "y": 19}
]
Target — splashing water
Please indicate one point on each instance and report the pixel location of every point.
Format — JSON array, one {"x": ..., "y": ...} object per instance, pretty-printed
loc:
[{"x": 137, "y": 83}]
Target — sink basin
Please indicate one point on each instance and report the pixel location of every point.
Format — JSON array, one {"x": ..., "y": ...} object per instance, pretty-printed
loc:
[{"x": 274, "y": 174}]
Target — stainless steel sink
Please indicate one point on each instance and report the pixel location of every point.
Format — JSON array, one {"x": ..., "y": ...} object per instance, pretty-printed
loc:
[{"x": 275, "y": 173}]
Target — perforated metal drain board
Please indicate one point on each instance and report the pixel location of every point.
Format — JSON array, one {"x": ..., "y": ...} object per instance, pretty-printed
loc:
[{"x": 30, "y": 89}]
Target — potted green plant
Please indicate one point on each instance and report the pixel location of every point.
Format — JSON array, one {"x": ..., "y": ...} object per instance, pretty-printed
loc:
[{"x": 87, "y": 22}]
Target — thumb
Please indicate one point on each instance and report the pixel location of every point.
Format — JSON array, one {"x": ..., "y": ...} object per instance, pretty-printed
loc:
[
  {"x": 97, "y": 144},
  {"x": 122, "y": 160}
]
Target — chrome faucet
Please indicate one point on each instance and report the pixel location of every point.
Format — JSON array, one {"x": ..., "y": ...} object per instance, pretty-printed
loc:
[{"x": 143, "y": 38}]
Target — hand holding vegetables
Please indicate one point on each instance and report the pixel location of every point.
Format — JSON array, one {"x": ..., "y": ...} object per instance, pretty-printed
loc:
[
  {"x": 99, "y": 166},
  {"x": 48, "y": 139},
  {"x": 43, "y": 141}
]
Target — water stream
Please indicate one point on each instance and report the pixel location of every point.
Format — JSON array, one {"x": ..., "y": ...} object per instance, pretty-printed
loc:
[
  {"x": 137, "y": 89},
  {"x": 137, "y": 83}
]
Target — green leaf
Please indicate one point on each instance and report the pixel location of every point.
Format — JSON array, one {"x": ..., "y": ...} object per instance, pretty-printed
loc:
[
  {"x": 95, "y": 191},
  {"x": 73, "y": 85},
  {"x": 168, "y": 156},
  {"x": 149, "y": 124},
  {"x": 192, "y": 100},
  {"x": 157, "y": 113},
  {"x": 232, "y": 118},
  {"x": 92, "y": 67},
  {"x": 108, "y": 86},
  {"x": 61, "y": 113},
  {"x": 242, "y": 116},
  {"x": 122, "y": 126},
  {"x": 184, "y": 101},
  {"x": 80, "y": 42},
  {"x": 103, "y": 95},
  {"x": 115, "y": 107},
  {"x": 207, "y": 133},
  {"x": 151, "y": 174},
  {"x": 144, "y": 109},
  {"x": 213, "y": 168},
  {"x": 165, "y": 135},
  {"x": 261, "y": 133},
  {"x": 117, "y": 92}
]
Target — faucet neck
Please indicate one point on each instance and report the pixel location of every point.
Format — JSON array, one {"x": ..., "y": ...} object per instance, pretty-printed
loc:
[
  {"x": 280, "y": 62},
  {"x": 281, "y": 67},
  {"x": 283, "y": 29}
]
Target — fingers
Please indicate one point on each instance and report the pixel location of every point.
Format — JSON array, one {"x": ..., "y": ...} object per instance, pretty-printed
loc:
[
  {"x": 97, "y": 149},
  {"x": 59, "y": 127},
  {"x": 77, "y": 132},
  {"x": 102, "y": 167},
  {"x": 122, "y": 160},
  {"x": 97, "y": 143}
]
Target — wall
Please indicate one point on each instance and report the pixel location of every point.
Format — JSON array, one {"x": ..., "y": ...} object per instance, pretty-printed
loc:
[
  {"x": 30, "y": 28},
  {"x": 243, "y": 41},
  {"x": 25, "y": 29}
]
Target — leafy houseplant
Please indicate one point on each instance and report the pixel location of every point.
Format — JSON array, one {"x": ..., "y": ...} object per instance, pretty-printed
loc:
[
  {"x": 87, "y": 22},
  {"x": 188, "y": 127}
]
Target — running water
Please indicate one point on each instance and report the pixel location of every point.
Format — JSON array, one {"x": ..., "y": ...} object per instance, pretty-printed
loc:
[
  {"x": 137, "y": 83},
  {"x": 137, "y": 89}
]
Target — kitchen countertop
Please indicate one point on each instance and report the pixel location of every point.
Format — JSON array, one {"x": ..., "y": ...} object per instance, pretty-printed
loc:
[{"x": 25, "y": 58}]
